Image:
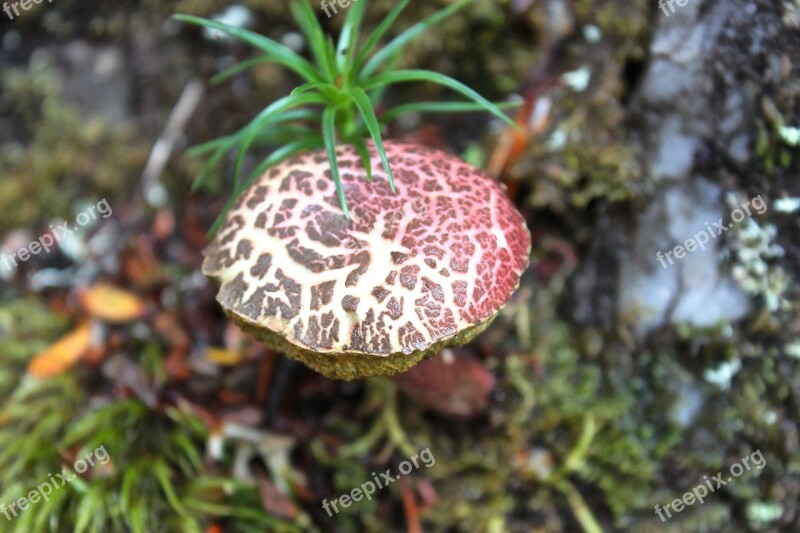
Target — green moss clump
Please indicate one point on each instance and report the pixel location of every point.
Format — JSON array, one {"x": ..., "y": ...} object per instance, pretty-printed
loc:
[
  {"x": 25, "y": 326},
  {"x": 583, "y": 153},
  {"x": 152, "y": 476},
  {"x": 63, "y": 155}
]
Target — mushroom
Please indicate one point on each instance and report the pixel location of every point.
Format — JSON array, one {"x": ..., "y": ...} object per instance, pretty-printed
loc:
[{"x": 414, "y": 271}]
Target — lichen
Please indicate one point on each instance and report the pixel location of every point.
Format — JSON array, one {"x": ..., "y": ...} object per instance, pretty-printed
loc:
[{"x": 754, "y": 253}]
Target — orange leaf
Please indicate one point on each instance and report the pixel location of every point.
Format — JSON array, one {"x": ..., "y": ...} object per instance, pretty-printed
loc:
[
  {"x": 61, "y": 355},
  {"x": 111, "y": 304}
]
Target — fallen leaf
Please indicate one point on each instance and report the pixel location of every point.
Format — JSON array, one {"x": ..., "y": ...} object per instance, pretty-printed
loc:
[
  {"x": 139, "y": 264},
  {"x": 111, "y": 304},
  {"x": 275, "y": 502},
  {"x": 223, "y": 357},
  {"x": 61, "y": 355},
  {"x": 168, "y": 326},
  {"x": 411, "y": 508}
]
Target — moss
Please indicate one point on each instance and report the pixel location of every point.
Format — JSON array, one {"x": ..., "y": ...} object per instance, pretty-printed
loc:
[
  {"x": 63, "y": 155},
  {"x": 25, "y": 326},
  {"x": 582, "y": 154},
  {"x": 150, "y": 477},
  {"x": 155, "y": 479},
  {"x": 569, "y": 435}
]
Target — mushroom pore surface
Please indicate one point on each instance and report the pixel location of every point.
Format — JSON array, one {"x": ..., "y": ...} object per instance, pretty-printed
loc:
[{"x": 412, "y": 272}]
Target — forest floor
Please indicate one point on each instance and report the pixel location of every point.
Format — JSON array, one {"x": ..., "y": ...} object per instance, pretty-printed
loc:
[{"x": 562, "y": 416}]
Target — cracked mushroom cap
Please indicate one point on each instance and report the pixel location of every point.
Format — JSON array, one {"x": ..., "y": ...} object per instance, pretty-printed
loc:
[{"x": 411, "y": 273}]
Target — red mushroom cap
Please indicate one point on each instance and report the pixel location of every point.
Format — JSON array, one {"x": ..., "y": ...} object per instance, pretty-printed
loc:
[{"x": 410, "y": 273}]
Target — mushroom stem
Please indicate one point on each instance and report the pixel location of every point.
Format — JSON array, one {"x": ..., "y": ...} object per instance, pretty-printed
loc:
[
  {"x": 397, "y": 435},
  {"x": 387, "y": 425},
  {"x": 573, "y": 462},
  {"x": 365, "y": 443},
  {"x": 579, "y": 508},
  {"x": 577, "y": 455}
]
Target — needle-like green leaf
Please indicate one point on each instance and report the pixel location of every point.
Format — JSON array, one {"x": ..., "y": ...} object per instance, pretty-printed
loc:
[
  {"x": 405, "y": 76},
  {"x": 275, "y": 132},
  {"x": 330, "y": 92},
  {"x": 440, "y": 107},
  {"x": 311, "y": 85},
  {"x": 264, "y": 118},
  {"x": 279, "y": 53},
  {"x": 330, "y": 53},
  {"x": 213, "y": 161},
  {"x": 286, "y": 116},
  {"x": 307, "y": 20},
  {"x": 329, "y": 136},
  {"x": 219, "y": 221},
  {"x": 379, "y": 32},
  {"x": 239, "y": 67},
  {"x": 210, "y": 146},
  {"x": 162, "y": 474},
  {"x": 404, "y": 38},
  {"x": 363, "y": 153},
  {"x": 348, "y": 38},
  {"x": 346, "y": 82},
  {"x": 368, "y": 114}
]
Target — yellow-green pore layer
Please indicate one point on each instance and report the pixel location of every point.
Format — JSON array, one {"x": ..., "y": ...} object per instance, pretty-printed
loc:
[
  {"x": 354, "y": 365},
  {"x": 414, "y": 271}
]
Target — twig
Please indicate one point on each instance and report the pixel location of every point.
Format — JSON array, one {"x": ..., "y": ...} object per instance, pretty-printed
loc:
[{"x": 190, "y": 98}]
